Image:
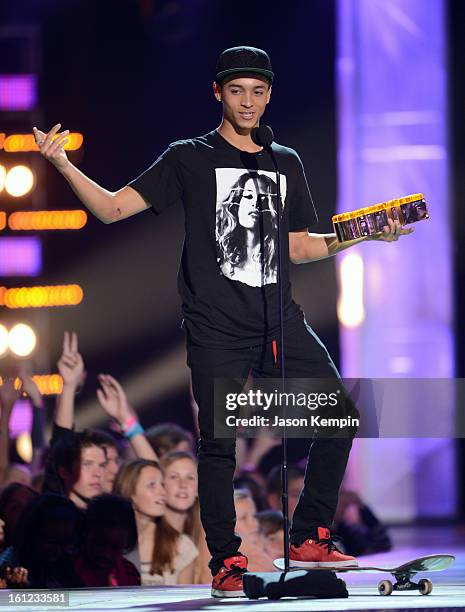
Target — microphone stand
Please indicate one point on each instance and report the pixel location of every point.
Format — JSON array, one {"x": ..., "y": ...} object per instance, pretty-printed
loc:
[{"x": 284, "y": 478}]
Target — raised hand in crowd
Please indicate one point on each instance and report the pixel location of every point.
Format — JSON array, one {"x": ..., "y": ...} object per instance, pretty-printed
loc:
[
  {"x": 71, "y": 368},
  {"x": 114, "y": 401},
  {"x": 9, "y": 393},
  {"x": 249, "y": 458},
  {"x": 8, "y": 396},
  {"x": 15, "y": 576},
  {"x": 71, "y": 365},
  {"x": 29, "y": 387}
]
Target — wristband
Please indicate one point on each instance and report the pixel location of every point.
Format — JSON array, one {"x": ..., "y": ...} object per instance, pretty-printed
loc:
[
  {"x": 128, "y": 423},
  {"x": 134, "y": 431}
]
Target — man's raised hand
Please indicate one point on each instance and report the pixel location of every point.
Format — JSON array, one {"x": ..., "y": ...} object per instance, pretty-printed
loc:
[
  {"x": 71, "y": 364},
  {"x": 51, "y": 145}
]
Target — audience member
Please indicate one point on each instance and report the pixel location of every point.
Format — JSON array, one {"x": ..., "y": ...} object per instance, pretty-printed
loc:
[
  {"x": 14, "y": 499},
  {"x": 248, "y": 481},
  {"x": 295, "y": 481},
  {"x": 247, "y": 528},
  {"x": 163, "y": 555},
  {"x": 271, "y": 527},
  {"x": 76, "y": 467},
  {"x": 108, "y": 531},
  {"x": 167, "y": 437},
  {"x": 18, "y": 472},
  {"x": 45, "y": 541},
  {"x": 113, "y": 459},
  {"x": 182, "y": 505}
]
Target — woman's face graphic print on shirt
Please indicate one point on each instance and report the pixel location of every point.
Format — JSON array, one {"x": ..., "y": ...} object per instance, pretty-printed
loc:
[{"x": 246, "y": 225}]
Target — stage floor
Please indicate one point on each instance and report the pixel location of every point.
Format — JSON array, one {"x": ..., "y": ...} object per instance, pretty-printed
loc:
[{"x": 448, "y": 592}]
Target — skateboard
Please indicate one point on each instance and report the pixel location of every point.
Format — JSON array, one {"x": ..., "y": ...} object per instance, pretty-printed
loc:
[{"x": 403, "y": 573}]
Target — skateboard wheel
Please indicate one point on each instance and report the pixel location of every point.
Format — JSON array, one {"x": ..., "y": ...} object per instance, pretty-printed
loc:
[
  {"x": 425, "y": 586},
  {"x": 385, "y": 587}
]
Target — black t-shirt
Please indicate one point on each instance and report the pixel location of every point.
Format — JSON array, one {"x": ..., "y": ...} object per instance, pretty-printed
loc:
[{"x": 228, "y": 273}]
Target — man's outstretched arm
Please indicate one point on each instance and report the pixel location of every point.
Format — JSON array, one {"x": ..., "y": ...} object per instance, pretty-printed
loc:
[
  {"x": 305, "y": 247},
  {"x": 107, "y": 206}
]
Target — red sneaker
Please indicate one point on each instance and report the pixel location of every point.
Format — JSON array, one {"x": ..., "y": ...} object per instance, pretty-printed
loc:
[
  {"x": 321, "y": 552},
  {"x": 228, "y": 581}
]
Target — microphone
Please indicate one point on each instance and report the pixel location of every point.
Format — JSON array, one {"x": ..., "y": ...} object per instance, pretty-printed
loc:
[{"x": 262, "y": 136}]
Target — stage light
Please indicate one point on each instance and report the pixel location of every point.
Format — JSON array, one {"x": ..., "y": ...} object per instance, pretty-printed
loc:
[
  {"x": 24, "y": 446},
  {"x": 18, "y": 92},
  {"x": 49, "y": 384},
  {"x": 47, "y": 220},
  {"x": 19, "y": 181},
  {"x": 22, "y": 340},
  {"x": 25, "y": 143},
  {"x": 2, "y": 220},
  {"x": 2, "y": 177},
  {"x": 41, "y": 296},
  {"x": 75, "y": 141},
  {"x": 3, "y": 340},
  {"x": 350, "y": 308},
  {"x": 20, "y": 256}
]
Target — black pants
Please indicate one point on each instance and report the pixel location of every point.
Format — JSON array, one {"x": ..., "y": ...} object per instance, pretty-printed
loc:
[{"x": 305, "y": 357}]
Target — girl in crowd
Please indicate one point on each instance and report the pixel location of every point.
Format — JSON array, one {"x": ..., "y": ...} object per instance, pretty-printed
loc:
[
  {"x": 108, "y": 531},
  {"x": 247, "y": 527},
  {"x": 163, "y": 555},
  {"x": 182, "y": 506}
]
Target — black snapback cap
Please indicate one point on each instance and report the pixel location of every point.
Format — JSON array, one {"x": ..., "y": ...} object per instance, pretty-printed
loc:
[{"x": 237, "y": 60}]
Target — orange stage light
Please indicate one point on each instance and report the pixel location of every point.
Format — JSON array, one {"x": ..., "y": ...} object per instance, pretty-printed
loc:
[
  {"x": 41, "y": 297},
  {"x": 47, "y": 220},
  {"x": 48, "y": 384},
  {"x": 25, "y": 143}
]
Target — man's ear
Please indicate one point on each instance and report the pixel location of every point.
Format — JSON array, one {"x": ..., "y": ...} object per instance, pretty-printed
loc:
[
  {"x": 217, "y": 91},
  {"x": 268, "y": 94}
]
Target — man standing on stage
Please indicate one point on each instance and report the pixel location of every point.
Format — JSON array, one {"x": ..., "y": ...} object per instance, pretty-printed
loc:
[{"x": 229, "y": 291}]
